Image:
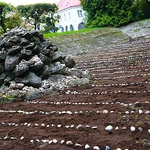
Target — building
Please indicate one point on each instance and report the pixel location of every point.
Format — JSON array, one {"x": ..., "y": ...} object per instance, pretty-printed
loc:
[{"x": 71, "y": 15}]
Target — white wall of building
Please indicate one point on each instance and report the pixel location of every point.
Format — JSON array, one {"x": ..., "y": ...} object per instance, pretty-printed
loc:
[{"x": 70, "y": 18}]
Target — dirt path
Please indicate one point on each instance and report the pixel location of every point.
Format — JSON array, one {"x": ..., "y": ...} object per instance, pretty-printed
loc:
[{"x": 118, "y": 97}]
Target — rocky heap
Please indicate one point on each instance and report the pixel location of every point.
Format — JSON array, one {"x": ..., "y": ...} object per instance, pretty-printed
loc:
[{"x": 31, "y": 65}]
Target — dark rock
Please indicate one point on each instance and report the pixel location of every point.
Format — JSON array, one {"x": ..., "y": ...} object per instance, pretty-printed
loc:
[
  {"x": 35, "y": 63},
  {"x": 58, "y": 56},
  {"x": 30, "y": 46},
  {"x": 46, "y": 51},
  {"x": 44, "y": 59},
  {"x": 14, "y": 50},
  {"x": 54, "y": 48},
  {"x": 7, "y": 80},
  {"x": 3, "y": 42},
  {"x": 47, "y": 44},
  {"x": 21, "y": 68},
  {"x": 2, "y": 67},
  {"x": 14, "y": 39},
  {"x": 11, "y": 62},
  {"x": 30, "y": 79},
  {"x": 69, "y": 62},
  {"x": 24, "y": 42},
  {"x": 9, "y": 44},
  {"x": 57, "y": 67},
  {"x": 3, "y": 55},
  {"x": 26, "y": 53},
  {"x": 2, "y": 77},
  {"x": 36, "y": 49},
  {"x": 27, "y": 35}
]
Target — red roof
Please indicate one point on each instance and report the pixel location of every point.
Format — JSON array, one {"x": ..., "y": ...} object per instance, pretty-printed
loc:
[{"x": 63, "y": 4}]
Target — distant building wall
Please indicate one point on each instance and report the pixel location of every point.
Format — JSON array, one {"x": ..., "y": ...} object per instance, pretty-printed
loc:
[{"x": 71, "y": 18}]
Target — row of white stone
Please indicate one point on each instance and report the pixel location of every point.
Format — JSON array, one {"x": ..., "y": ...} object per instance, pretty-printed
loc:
[
  {"x": 85, "y": 103},
  {"x": 119, "y": 84},
  {"x": 55, "y": 141},
  {"x": 122, "y": 77},
  {"x": 78, "y": 127},
  {"x": 105, "y": 92},
  {"x": 73, "y": 112}
]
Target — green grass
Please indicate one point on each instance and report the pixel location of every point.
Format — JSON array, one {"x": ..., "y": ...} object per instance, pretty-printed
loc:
[{"x": 46, "y": 35}]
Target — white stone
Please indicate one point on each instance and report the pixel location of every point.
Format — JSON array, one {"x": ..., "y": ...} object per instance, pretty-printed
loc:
[
  {"x": 78, "y": 145},
  {"x": 59, "y": 125},
  {"x": 105, "y": 111},
  {"x": 140, "y": 111},
  {"x": 55, "y": 141},
  {"x": 96, "y": 148},
  {"x": 108, "y": 128},
  {"x": 50, "y": 142},
  {"x": 22, "y": 138},
  {"x": 117, "y": 128},
  {"x": 62, "y": 141},
  {"x": 94, "y": 127},
  {"x": 87, "y": 146},
  {"x": 79, "y": 126},
  {"x": 132, "y": 128},
  {"x": 69, "y": 143}
]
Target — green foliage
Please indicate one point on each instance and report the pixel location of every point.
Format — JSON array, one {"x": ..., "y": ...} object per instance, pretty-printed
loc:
[
  {"x": 13, "y": 20},
  {"x": 34, "y": 13},
  {"x": 9, "y": 17},
  {"x": 115, "y": 13}
]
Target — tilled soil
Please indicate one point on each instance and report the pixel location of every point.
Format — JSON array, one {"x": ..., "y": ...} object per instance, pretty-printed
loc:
[{"x": 118, "y": 96}]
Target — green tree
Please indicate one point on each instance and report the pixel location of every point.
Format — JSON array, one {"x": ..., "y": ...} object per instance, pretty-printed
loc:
[
  {"x": 50, "y": 20},
  {"x": 34, "y": 12},
  {"x": 115, "y": 13},
  {"x": 9, "y": 17}
]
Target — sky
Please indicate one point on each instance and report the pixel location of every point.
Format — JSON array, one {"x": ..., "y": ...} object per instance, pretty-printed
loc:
[{"x": 25, "y": 2}]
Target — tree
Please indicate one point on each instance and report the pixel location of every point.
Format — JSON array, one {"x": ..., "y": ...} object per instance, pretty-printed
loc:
[
  {"x": 9, "y": 17},
  {"x": 50, "y": 20},
  {"x": 115, "y": 13},
  {"x": 33, "y": 13},
  {"x": 4, "y": 8}
]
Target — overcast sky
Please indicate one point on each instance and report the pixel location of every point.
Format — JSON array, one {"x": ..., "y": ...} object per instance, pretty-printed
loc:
[{"x": 25, "y": 2}]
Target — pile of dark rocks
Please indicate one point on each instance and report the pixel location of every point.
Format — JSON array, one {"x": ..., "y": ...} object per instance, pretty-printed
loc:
[{"x": 31, "y": 64}]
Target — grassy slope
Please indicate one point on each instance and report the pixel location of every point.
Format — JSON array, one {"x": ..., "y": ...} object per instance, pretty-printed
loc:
[{"x": 76, "y": 42}]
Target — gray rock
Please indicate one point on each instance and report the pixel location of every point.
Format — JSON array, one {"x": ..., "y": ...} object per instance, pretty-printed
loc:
[
  {"x": 11, "y": 62},
  {"x": 57, "y": 67},
  {"x": 69, "y": 62},
  {"x": 30, "y": 79},
  {"x": 58, "y": 56},
  {"x": 21, "y": 68},
  {"x": 36, "y": 63},
  {"x": 25, "y": 53},
  {"x": 33, "y": 93},
  {"x": 3, "y": 55},
  {"x": 44, "y": 59}
]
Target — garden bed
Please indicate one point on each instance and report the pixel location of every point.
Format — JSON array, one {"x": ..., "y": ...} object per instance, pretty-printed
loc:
[{"x": 113, "y": 111}]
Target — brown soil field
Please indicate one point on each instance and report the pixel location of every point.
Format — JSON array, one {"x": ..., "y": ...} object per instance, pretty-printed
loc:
[{"x": 118, "y": 97}]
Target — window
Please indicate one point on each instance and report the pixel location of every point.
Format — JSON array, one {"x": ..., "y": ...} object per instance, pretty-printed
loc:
[
  {"x": 69, "y": 15},
  {"x": 79, "y": 13},
  {"x": 64, "y": 17}
]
